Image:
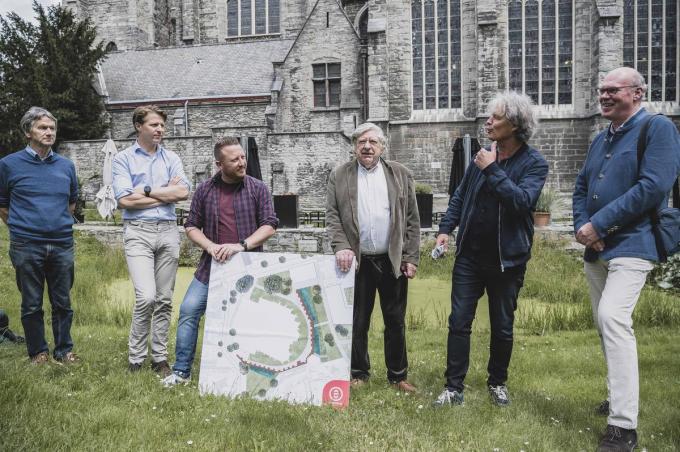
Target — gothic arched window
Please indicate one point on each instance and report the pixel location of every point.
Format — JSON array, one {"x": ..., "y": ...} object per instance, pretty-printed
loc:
[
  {"x": 252, "y": 17},
  {"x": 435, "y": 39},
  {"x": 540, "y": 49},
  {"x": 650, "y": 45}
]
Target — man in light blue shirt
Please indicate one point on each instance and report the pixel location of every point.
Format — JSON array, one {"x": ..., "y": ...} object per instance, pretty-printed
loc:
[{"x": 148, "y": 180}]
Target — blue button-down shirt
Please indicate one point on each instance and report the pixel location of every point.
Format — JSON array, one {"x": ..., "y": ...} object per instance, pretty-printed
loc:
[
  {"x": 134, "y": 167},
  {"x": 34, "y": 154}
]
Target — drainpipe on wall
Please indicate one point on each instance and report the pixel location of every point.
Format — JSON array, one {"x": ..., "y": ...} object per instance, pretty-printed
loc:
[
  {"x": 186, "y": 117},
  {"x": 364, "y": 78}
]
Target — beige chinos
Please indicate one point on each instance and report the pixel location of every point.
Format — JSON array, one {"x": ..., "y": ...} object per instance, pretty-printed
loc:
[
  {"x": 615, "y": 287},
  {"x": 152, "y": 254}
]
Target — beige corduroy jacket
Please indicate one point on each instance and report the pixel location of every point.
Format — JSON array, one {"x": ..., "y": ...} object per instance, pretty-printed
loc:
[{"x": 342, "y": 220}]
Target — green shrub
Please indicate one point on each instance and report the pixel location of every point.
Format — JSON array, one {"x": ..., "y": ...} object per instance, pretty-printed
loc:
[
  {"x": 667, "y": 275},
  {"x": 423, "y": 189}
]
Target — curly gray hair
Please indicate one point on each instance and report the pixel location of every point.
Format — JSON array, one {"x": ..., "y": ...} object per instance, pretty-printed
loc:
[
  {"x": 32, "y": 115},
  {"x": 365, "y": 127},
  {"x": 518, "y": 108}
]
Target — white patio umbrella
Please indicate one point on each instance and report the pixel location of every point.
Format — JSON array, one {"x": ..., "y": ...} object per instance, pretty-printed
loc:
[{"x": 105, "y": 199}]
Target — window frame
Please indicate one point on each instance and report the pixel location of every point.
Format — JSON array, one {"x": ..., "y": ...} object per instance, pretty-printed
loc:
[
  {"x": 327, "y": 80},
  {"x": 253, "y": 19},
  {"x": 555, "y": 105},
  {"x": 648, "y": 70},
  {"x": 436, "y": 48}
]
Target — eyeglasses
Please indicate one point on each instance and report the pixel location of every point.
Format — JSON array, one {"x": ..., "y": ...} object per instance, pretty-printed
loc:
[
  {"x": 614, "y": 90},
  {"x": 372, "y": 141}
]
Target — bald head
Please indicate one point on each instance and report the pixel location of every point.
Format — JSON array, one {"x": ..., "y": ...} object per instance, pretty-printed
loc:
[
  {"x": 621, "y": 93},
  {"x": 629, "y": 75}
]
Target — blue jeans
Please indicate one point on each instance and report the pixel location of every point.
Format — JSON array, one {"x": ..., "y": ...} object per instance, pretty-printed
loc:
[
  {"x": 35, "y": 263},
  {"x": 190, "y": 313},
  {"x": 470, "y": 279}
]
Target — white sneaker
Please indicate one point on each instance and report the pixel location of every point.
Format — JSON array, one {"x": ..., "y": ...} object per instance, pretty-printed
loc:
[
  {"x": 448, "y": 398},
  {"x": 174, "y": 379}
]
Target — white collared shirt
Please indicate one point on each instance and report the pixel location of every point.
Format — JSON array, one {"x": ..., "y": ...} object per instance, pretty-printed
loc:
[{"x": 373, "y": 210}]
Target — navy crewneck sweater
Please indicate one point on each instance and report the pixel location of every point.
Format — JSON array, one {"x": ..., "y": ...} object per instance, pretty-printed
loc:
[{"x": 38, "y": 193}]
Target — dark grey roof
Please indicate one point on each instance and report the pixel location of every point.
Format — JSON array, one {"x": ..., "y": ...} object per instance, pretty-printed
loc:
[{"x": 231, "y": 69}]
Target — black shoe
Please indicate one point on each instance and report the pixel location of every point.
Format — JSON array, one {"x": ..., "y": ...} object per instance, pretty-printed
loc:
[
  {"x": 6, "y": 333},
  {"x": 161, "y": 368},
  {"x": 499, "y": 395},
  {"x": 617, "y": 439},
  {"x": 603, "y": 408},
  {"x": 134, "y": 367}
]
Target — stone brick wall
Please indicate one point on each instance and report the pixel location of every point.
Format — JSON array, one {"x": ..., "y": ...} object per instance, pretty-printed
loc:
[
  {"x": 87, "y": 155},
  {"x": 301, "y": 163},
  {"x": 319, "y": 43},
  {"x": 202, "y": 119}
]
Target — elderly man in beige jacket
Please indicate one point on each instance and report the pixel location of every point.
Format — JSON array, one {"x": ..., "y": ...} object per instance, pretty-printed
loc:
[{"x": 372, "y": 215}]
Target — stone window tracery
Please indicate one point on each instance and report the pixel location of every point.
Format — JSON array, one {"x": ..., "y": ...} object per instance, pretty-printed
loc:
[
  {"x": 650, "y": 45},
  {"x": 252, "y": 17},
  {"x": 436, "y": 54},
  {"x": 540, "y": 49}
]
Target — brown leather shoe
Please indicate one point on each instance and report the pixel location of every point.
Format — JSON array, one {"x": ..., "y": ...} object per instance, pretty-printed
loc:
[
  {"x": 357, "y": 382},
  {"x": 161, "y": 368},
  {"x": 404, "y": 386},
  {"x": 40, "y": 358}
]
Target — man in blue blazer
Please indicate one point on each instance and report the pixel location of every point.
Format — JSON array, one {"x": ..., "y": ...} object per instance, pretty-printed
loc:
[{"x": 612, "y": 200}]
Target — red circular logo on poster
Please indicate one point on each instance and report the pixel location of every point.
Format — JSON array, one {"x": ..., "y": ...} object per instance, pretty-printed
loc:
[{"x": 336, "y": 393}]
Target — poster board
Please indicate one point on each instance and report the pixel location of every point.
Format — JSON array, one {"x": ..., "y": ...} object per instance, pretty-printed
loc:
[{"x": 279, "y": 326}]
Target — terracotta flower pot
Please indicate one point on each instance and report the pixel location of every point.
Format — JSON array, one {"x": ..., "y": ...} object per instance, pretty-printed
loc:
[{"x": 541, "y": 219}]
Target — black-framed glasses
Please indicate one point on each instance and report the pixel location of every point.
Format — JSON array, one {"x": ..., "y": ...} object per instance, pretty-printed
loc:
[{"x": 614, "y": 90}]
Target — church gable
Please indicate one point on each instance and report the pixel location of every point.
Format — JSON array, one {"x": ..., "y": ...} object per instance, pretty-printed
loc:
[{"x": 321, "y": 73}]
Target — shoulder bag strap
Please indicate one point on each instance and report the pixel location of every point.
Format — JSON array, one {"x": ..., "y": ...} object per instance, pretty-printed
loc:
[{"x": 653, "y": 215}]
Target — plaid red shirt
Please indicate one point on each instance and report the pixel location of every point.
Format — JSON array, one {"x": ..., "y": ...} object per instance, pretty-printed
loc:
[{"x": 253, "y": 207}]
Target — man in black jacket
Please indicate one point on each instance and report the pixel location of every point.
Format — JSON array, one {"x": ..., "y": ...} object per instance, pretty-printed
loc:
[{"x": 493, "y": 208}]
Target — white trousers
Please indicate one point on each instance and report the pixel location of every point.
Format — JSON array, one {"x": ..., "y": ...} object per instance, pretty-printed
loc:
[{"x": 615, "y": 288}]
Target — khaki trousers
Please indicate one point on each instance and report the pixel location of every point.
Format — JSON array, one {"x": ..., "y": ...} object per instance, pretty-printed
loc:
[
  {"x": 615, "y": 288},
  {"x": 152, "y": 254}
]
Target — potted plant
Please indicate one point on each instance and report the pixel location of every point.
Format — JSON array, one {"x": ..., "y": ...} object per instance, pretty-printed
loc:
[
  {"x": 424, "y": 200},
  {"x": 546, "y": 201}
]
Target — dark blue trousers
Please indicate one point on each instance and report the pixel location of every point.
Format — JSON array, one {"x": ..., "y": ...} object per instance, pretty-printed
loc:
[
  {"x": 35, "y": 264},
  {"x": 470, "y": 279}
]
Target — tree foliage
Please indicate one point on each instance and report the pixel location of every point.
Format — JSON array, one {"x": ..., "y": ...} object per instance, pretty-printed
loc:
[{"x": 51, "y": 64}]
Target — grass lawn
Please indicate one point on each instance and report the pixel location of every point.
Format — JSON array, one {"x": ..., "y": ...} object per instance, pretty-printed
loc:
[{"x": 556, "y": 377}]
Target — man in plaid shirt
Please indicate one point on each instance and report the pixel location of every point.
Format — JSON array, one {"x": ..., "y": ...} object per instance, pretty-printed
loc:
[{"x": 230, "y": 213}]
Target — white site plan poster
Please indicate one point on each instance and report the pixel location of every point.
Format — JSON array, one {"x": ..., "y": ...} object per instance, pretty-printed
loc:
[{"x": 279, "y": 326}]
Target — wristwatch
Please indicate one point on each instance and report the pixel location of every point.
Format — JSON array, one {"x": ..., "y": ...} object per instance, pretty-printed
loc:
[
  {"x": 147, "y": 190},
  {"x": 244, "y": 244}
]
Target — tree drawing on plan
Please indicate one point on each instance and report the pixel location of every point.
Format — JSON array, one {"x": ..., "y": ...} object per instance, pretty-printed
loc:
[
  {"x": 287, "y": 283},
  {"x": 244, "y": 284},
  {"x": 329, "y": 339},
  {"x": 341, "y": 330},
  {"x": 273, "y": 284}
]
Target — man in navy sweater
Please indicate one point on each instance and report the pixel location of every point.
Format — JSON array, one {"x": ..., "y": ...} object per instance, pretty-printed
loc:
[{"x": 38, "y": 192}]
